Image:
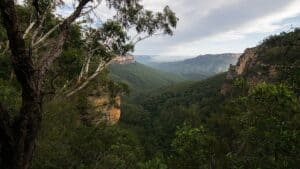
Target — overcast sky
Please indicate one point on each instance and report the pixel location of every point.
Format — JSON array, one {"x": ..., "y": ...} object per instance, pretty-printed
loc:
[
  {"x": 215, "y": 26},
  {"x": 218, "y": 26}
]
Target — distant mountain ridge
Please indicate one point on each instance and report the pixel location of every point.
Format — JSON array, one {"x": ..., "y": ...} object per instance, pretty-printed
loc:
[
  {"x": 151, "y": 75},
  {"x": 200, "y": 67}
]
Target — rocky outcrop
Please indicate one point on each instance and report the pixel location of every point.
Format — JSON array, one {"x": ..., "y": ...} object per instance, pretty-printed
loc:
[
  {"x": 245, "y": 62},
  {"x": 102, "y": 108},
  {"x": 127, "y": 59},
  {"x": 254, "y": 69}
]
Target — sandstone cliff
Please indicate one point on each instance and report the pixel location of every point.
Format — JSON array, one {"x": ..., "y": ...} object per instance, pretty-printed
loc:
[
  {"x": 101, "y": 108},
  {"x": 127, "y": 59},
  {"x": 275, "y": 60},
  {"x": 252, "y": 68},
  {"x": 104, "y": 109},
  {"x": 245, "y": 62}
]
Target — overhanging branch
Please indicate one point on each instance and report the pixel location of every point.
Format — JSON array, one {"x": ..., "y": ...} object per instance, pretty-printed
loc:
[{"x": 46, "y": 60}]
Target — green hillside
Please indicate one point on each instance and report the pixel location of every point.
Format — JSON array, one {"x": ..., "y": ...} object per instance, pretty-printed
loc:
[
  {"x": 142, "y": 78},
  {"x": 157, "y": 114},
  {"x": 255, "y": 124}
]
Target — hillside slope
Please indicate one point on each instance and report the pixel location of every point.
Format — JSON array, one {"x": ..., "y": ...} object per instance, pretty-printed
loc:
[
  {"x": 276, "y": 60},
  {"x": 142, "y": 78},
  {"x": 263, "y": 86}
]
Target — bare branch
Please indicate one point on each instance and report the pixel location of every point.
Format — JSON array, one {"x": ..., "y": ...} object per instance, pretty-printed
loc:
[
  {"x": 28, "y": 29},
  {"x": 46, "y": 35},
  {"x": 100, "y": 67},
  {"x": 90, "y": 53},
  {"x": 46, "y": 60},
  {"x": 85, "y": 68},
  {"x": 41, "y": 22}
]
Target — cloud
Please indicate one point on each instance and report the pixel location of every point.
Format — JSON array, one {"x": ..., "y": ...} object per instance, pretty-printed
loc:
[{"x": 212, "y": 26}]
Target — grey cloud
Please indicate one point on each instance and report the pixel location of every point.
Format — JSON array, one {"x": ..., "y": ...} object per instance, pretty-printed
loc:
[
  {"x": 194, "y": 25},
  {"x": 227, "y": 18}
]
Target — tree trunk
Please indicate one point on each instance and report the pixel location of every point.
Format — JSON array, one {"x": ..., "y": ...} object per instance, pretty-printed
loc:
[
  {"x": 27, "y": 125},
  {"x": 18, "y": 136}
]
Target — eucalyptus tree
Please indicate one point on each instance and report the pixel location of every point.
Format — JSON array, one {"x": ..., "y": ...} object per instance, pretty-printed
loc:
[{"x": 34, "y": 48}]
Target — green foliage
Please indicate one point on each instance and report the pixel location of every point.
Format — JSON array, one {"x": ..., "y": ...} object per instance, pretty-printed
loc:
[
  {"x": 156, "y": 163},
  {"x": 132, "y": 13},
  {"x": 2, "y": 31},
  {"x": 65, "y": 142},
  {"x": 5, "y": 67},
  {"x": 106, "y": 147},
  {"x": 269, "y": 134},
  {"x": 10, "y": 96},
  {"x": 194, "y": 148},
  {"x": 255, "y": 127}
]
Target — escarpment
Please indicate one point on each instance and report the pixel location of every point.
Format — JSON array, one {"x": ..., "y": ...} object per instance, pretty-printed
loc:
[
  {"x": 123, "y": 60},
  {"x": 245, "y": 62},
  {"x": 101, "y": 108},
  {"x": 104, "y": 109},
  {"x": 276, "y": 60}
]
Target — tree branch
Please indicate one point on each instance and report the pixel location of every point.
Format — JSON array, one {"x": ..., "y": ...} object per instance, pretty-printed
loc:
[
  {"x": 35, "y": 4},
  {"x": 46, "y": 60},
  {"x": 43, "y": 38},
  {"x": 100, "y": 67},
  {"x": 28, "y": 29},
  {"x": 40, "y": 23}
]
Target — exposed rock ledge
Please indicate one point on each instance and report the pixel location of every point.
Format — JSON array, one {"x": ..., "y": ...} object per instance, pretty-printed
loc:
[
  {"x": 102, "y": 108},
  {"x": 245, "y": 62},
  {"x": 126, "y": 59}
]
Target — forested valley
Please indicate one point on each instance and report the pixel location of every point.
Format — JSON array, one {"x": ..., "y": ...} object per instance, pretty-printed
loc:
[{"x": 64, "y": 104}]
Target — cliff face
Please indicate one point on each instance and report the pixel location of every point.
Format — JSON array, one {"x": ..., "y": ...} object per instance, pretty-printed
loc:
[
  {"x": 105, "y": 109},
  {"x": 252, "y": 68},
  {"x": 127, "y": 59},
  {"x": 275, "y": 60},
  {"x": 102, "y": 108},
  {"x": 245, "y": 62},
  {"x": 98, "y": 105}
]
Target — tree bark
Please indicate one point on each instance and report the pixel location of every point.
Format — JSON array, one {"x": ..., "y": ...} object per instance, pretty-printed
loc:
[{"x": 18, "y": 142}]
